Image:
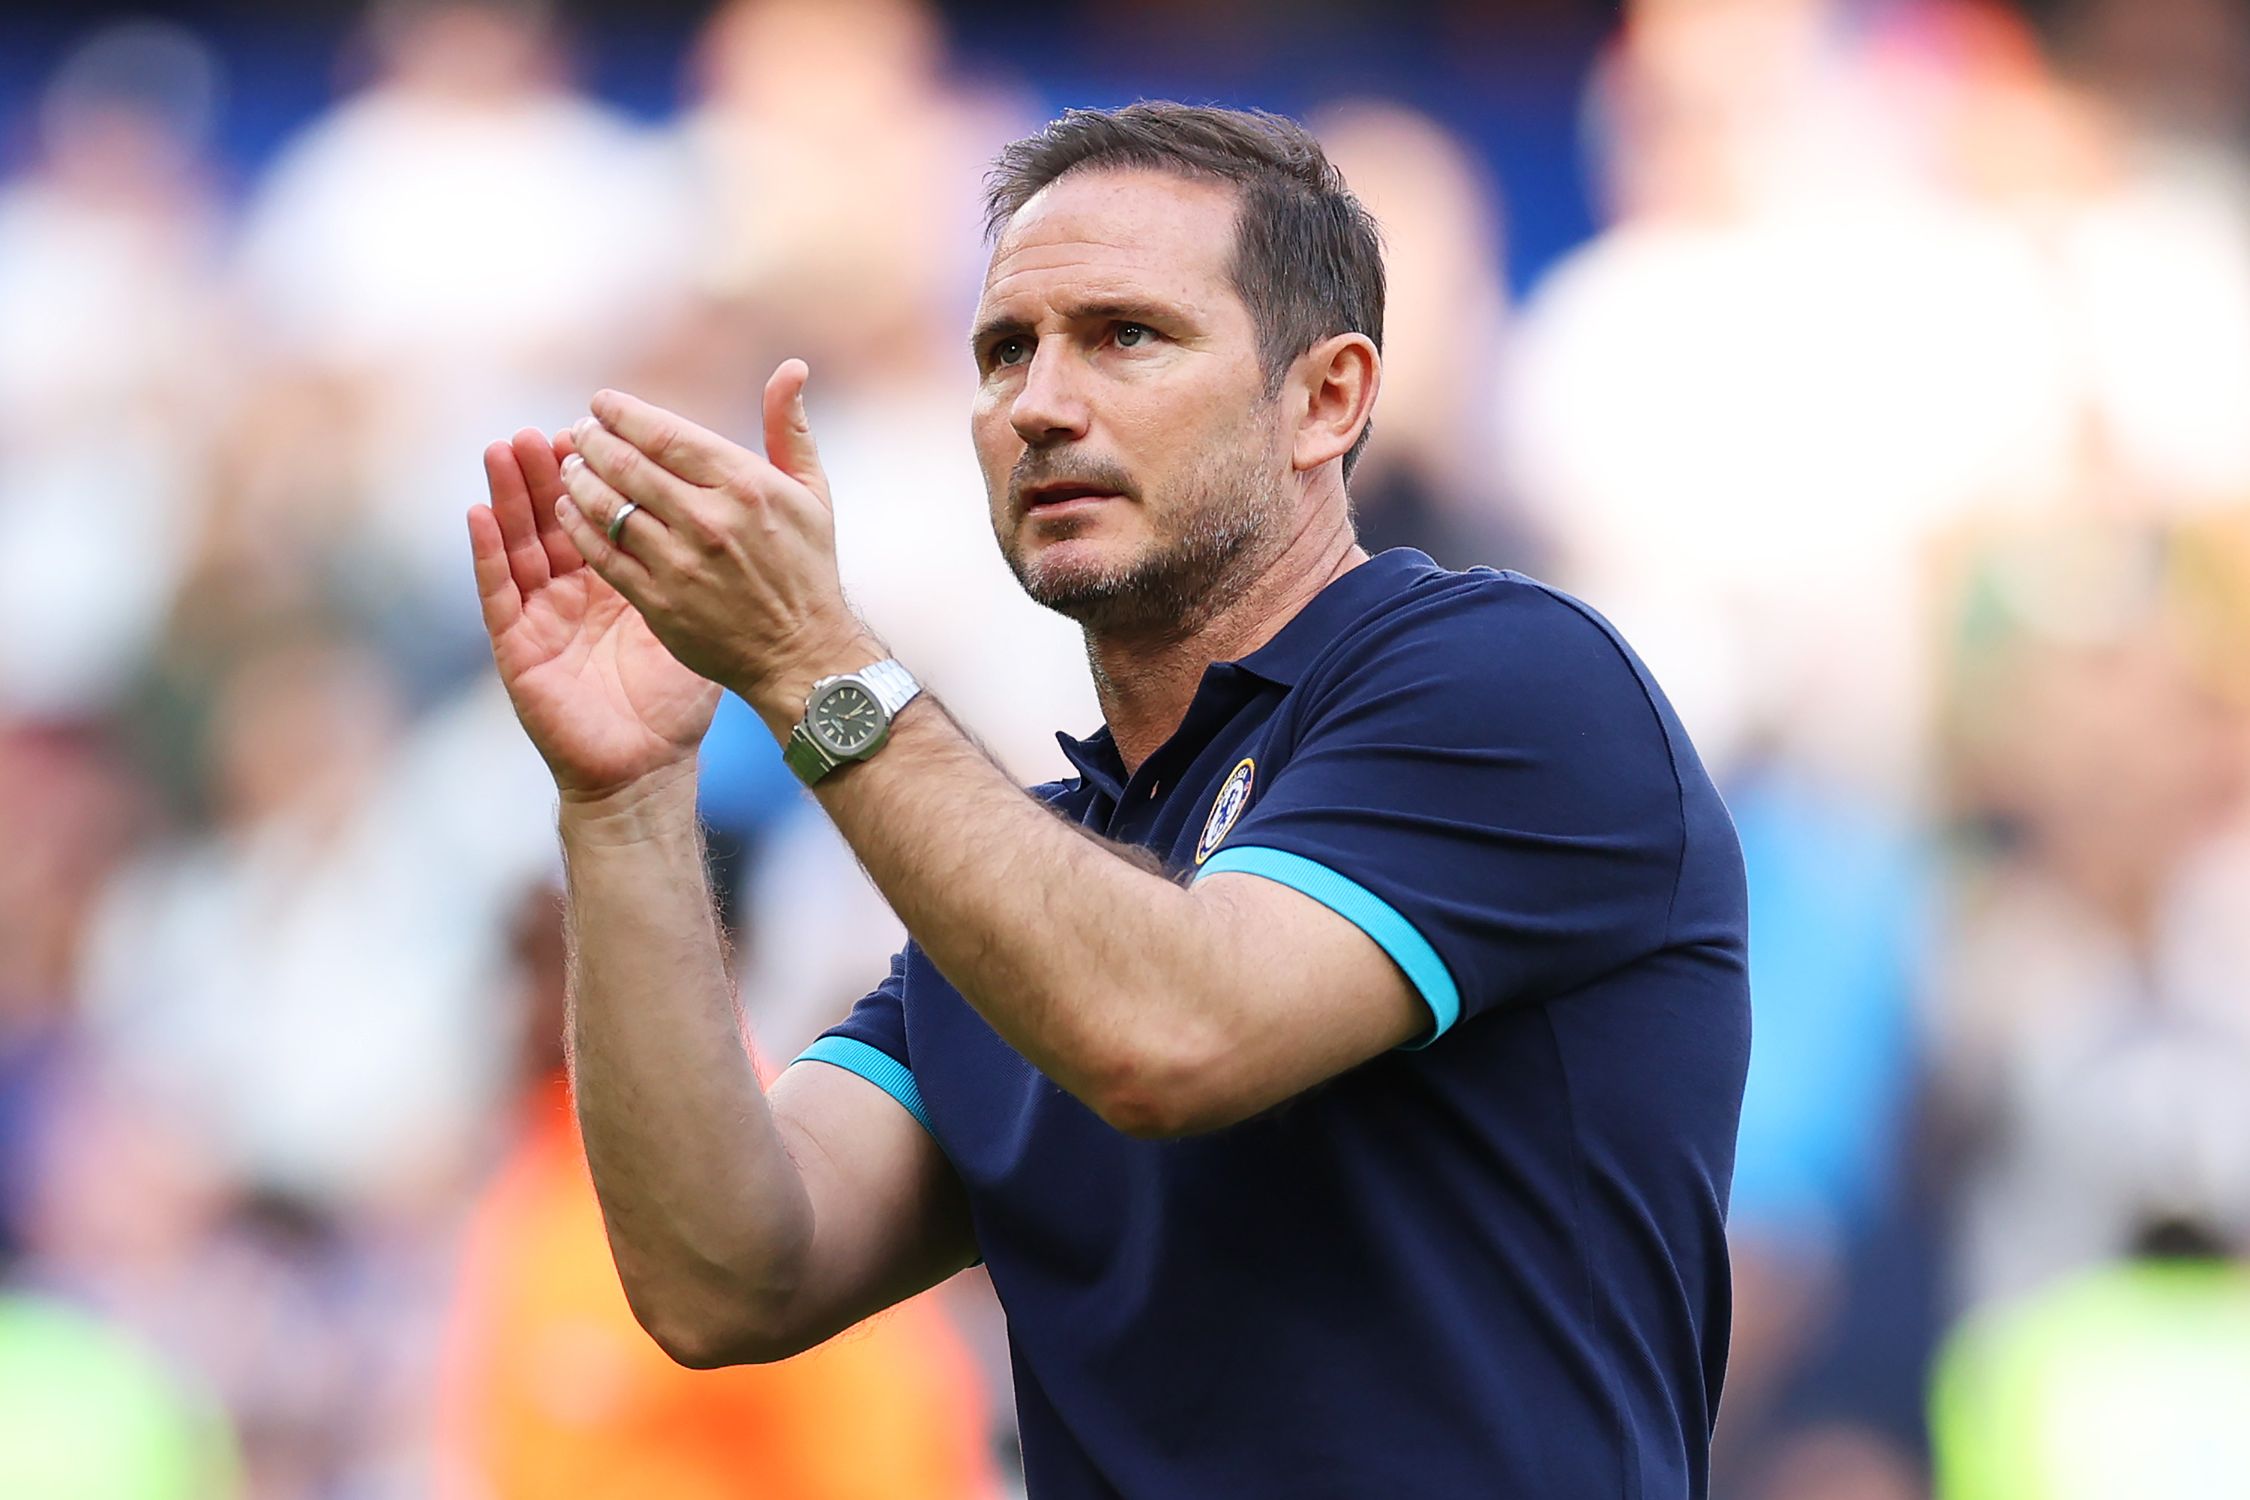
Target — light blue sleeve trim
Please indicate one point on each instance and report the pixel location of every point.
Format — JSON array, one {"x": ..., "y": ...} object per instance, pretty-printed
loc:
[
  {"x": 877, "y": 1067},
  {"x": 1365, "y": 910}
]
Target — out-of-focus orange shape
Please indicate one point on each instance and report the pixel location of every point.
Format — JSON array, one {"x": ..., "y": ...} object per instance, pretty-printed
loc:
[{"x": 552, "y": 1389}]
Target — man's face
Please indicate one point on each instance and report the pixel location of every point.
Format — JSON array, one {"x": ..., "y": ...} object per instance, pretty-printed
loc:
[{"x": 1138, "y": 475}]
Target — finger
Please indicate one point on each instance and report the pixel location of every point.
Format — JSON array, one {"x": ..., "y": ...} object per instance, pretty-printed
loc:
[
  {"x": 612, "y": 564},
  {"x": 789, "y": 439},
  {"x": 642, "y": 537},
  {"x": 542, "y": 471},
  {"x": 690, "y": 452},
  {"x": 497, "y": 593},
  {"x": 631, "y": 473},
  {"x": 512, "y": 510}
]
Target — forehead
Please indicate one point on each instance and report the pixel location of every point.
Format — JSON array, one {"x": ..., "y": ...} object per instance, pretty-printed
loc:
[{"x": 1115, "y": 231}]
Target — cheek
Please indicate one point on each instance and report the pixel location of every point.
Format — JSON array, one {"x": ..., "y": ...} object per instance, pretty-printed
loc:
[
  {"x": 991, "y": 431},
  {"x": 1171, "y": 444}
]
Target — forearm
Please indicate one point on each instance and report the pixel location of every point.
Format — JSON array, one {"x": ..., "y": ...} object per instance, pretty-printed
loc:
[
  {"x": 707, "y": 1216},
  {"x": 1080, "y": 953}
]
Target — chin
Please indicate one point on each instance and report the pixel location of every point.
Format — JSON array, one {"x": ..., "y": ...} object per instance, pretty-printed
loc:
[
  {"x": 1063, "y": 569},
  {"x": 1068, "y": 554},
  {"x": 1078, "y": 577}
]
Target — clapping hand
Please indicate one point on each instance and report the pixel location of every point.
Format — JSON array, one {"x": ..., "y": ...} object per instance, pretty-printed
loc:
[
  {"x": 729, "y": 557},
  {"x": 610, "y": 634},
  {"x": 605, "y": 703}
]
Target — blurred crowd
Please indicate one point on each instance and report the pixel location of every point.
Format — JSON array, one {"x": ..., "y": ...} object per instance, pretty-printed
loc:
[{"x": 1899, "y": 412}]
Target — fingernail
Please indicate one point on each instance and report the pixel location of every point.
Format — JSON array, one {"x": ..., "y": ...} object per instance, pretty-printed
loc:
[
  {"x": 572, "y": 465},
  {"x": 583, "y": 428},
  {"x": 564, "y": 510}
]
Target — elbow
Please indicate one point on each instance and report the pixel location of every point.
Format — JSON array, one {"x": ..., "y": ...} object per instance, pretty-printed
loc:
[
  {"x": 1160, "y": 1090},
  {"x": 706, "y": 1344},
  {"x": 713, "y": 1336},
  {"x": 693, "y": 1346}
]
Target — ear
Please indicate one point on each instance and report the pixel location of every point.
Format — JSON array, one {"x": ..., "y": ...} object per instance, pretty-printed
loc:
[{"x": 1336, "y": 379}]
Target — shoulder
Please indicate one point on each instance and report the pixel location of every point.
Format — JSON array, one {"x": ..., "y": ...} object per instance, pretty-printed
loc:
[{"x": 1488, "y": 649}]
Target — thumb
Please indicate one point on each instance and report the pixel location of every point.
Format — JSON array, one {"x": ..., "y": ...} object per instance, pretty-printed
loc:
[{"x": 789, "y": 439}]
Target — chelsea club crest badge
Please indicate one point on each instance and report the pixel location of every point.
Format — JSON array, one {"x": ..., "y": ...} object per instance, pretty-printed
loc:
[{"x": 1233, "y": 797}]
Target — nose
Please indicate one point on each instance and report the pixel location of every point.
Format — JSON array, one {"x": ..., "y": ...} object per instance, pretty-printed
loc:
[{"x": 1050, "y": 406}]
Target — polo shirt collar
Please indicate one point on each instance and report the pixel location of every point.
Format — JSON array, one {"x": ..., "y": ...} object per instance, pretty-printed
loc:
[
  {"x": 1281, "y": 660},
  {"x": 1097, "y": 760},
  {"x": 1330, "y": 612}
]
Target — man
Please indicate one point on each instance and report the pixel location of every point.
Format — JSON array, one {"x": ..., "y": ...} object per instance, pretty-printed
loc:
[{"x": 1339, "y": 1075}]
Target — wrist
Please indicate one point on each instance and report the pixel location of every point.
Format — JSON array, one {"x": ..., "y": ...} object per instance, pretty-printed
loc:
[
  {"x": 657, "y": 805},
  {"x": 778, "y": 695}
]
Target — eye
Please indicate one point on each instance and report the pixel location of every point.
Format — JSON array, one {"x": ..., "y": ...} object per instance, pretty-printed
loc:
[
  {"x": 1133, "y": 335},
  {"x": 1012, "y": 350}
]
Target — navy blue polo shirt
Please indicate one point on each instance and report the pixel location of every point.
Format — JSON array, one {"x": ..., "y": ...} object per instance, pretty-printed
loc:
[{"x": 1488, "y": 1264}]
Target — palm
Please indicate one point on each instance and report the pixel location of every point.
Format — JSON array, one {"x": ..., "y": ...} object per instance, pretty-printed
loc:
[
  {"x": 599, "y": 695},
  {"x": 596, "y": 690}
]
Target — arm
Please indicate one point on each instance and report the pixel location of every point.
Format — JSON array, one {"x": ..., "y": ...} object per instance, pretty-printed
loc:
[
  {"x": 739, "y": 1232},
  {"x": 1165, "y": 1010},
  {"x": 744, "y": 1229}
]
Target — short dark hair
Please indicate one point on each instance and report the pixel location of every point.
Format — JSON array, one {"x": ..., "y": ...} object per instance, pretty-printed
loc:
[{"x": 1308, "y": 258}]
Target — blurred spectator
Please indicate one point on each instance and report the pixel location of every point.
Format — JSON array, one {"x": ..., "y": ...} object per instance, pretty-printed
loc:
[
  {"x": 2123, "y": 262},
  {"x": 2180, "y": 67},
  {"x": 1863, "y": 284},
  {"x": 303, "y": 980},
  {"x": 552, "y": 1388},
  {"x": 460, "y": 244},
  {"x": 111, "y": 361},
  {"x": 1732, "y": 408},
  {"x": 1431, "y": 476},
  {"x": 68, "y": 815},
  {"x": 2092, "y": 1027},
  {"x": 786, "y": 90},
  {"x": 314, "y": 1334},
  {"x": 2128, "y": 1377},
  {"x": 1837, "y": 897}
]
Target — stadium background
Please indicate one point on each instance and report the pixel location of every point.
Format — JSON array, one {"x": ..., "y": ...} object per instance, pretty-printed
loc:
[{"x": 1881, "y": 366}]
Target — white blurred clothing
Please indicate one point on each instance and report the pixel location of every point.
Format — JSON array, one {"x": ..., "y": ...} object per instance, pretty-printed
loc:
[
  {"x": 401, "y": 226},
  {"x": 110, "y": 352},
  {"x": 1737, "y": 438},
  {"x": 2115, "y": 1078},
  {"x": 469, "y": 268},
  {"x": 1748, "y": 436},
  {"x": 331, "y": 1010}
]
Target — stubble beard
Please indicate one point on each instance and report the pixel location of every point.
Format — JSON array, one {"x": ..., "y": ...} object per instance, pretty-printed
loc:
[{"x": 1229, "y": 525}]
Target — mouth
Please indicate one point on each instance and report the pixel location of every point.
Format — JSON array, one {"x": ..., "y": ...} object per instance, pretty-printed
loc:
[{"x": 1063, "y": 498}]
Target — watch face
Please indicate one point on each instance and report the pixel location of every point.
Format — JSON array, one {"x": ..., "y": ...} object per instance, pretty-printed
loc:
[{"x": 846, "y": 719}]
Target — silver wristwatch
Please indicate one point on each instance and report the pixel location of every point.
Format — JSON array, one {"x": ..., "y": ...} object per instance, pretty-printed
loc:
[{"x": 847, "y": 718}]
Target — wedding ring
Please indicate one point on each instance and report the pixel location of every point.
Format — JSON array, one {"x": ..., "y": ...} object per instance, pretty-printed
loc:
[{"x": 617, "y": 522}]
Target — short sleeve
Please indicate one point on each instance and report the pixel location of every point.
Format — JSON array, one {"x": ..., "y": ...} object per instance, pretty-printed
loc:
[
  {"x": 1483, "y": 782},
  {"x": 871, "y": 1042}
]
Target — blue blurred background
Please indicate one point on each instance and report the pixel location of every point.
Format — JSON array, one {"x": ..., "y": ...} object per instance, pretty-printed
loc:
[{"x": 1882, "y": 367}]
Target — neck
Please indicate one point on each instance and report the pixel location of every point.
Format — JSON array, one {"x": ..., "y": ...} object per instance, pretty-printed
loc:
[{"x": 1145, "y": 682}]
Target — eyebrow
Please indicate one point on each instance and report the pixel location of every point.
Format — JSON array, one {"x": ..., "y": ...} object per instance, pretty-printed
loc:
[{"x": 1104, "y": 309}]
